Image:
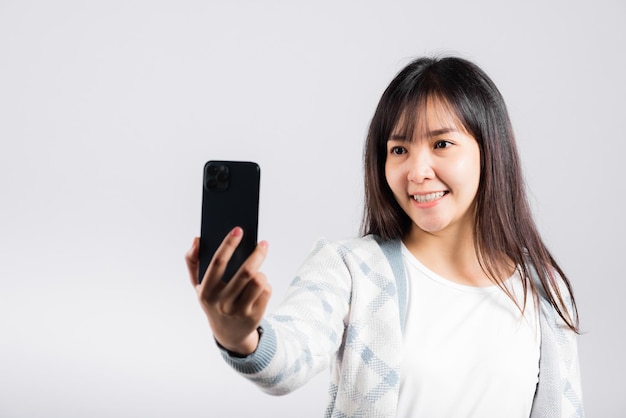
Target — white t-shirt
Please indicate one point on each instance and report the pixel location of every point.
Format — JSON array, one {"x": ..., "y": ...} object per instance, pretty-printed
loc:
[{"x": 467, "y": 351}]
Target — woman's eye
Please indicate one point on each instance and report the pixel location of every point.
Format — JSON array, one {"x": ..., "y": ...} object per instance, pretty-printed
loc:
[
  {"x": 442, "y": 144},
  {"x": 397, "y": 150}
]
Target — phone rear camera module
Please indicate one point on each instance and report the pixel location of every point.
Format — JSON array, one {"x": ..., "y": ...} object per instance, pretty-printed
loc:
[{"x": 217, "y": 177}]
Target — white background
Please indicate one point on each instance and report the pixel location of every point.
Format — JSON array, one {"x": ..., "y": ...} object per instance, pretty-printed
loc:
[{"x": 108, "y": 110}]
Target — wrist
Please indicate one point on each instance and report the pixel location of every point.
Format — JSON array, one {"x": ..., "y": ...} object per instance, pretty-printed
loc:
[{"x": 247, "y": 347}]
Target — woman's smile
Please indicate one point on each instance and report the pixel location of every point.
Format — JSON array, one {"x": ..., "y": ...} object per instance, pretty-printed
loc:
[{"x": 427, "y": 198}]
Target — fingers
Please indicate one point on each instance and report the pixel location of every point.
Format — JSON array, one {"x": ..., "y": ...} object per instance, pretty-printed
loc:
[
  {"x": 255, "y": 296},
  {"x": 215, "y": 271},
  {"x": 240, "y": 296},
  {"x": 248, "y": 270},
  {"x": 191, "y": 259},
  {"x": 251, "y": 300}
]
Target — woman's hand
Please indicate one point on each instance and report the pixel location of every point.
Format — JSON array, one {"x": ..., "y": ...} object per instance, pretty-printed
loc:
[{"x": 234, "y": 309}]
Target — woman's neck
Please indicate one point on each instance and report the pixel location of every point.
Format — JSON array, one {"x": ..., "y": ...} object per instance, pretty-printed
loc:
[{"x": 451, "y": 255}]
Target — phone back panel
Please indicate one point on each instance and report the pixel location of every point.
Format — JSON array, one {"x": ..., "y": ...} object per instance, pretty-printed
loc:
[{"x": 230, "y": 198}]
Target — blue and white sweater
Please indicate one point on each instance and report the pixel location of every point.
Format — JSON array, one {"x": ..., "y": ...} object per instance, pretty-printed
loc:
[{"x": 345, "y": 310}]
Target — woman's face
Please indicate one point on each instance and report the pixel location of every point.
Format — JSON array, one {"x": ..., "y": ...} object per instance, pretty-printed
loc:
[{"x": 434, "y": 175}]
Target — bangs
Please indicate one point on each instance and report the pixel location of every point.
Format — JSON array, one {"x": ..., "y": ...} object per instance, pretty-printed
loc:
[{"x": 416, "y": 117}]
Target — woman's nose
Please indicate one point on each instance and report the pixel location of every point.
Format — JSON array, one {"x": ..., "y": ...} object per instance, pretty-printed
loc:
[{"x": 420, "y": 166}]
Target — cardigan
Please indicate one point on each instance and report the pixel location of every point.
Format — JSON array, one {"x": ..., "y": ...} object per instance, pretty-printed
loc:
[{"x": 345, "y": 310}]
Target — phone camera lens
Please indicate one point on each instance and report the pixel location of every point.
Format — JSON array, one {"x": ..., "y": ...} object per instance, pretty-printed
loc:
[
  {"x": 217, "y": 176},
  {"x": 222, "y": 175}
]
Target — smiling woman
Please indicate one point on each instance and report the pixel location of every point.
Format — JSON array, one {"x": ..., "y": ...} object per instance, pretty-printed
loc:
[
  {"x": 434, "y": 175},
  {"x": 486, "y": 316}
]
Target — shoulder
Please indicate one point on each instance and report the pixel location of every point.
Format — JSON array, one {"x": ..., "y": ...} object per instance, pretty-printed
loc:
[
  {"x": 555, "y": 291},
  {"x": 369, "y": 249},
  {"x": 350, "y": 243},
  {"x": 355, "y": 259}
]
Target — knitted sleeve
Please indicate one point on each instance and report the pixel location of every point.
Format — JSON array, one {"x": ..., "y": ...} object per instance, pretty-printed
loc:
[{"x": 559, "y": 392}]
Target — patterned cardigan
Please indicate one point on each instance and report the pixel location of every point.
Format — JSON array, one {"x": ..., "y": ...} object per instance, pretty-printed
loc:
[{"x": 345, "y": 310}]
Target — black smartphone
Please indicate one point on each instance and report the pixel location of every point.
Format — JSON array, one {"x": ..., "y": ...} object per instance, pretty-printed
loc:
[{"x": 230, "y": 198}]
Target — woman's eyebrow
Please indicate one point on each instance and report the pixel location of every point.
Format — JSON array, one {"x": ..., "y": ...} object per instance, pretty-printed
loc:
[
  {"x": 398, "y": 137},
  {"x": 441, "y": 131},
  {"x": 435, "y": 132}
]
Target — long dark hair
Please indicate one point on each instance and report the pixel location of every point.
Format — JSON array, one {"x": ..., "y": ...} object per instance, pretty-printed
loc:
[{"x": 503, "y": 226}]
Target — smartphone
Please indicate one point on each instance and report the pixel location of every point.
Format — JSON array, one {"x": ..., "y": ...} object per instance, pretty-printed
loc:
[{"x": 230, "y": 198}]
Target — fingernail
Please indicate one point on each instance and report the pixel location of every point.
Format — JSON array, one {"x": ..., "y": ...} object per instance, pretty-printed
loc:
[
  {"x": 263, "y": 244},
  {"x": 237, "y": 232}
]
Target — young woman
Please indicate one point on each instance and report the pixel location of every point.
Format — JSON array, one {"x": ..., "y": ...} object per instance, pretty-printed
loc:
[{"x": 449, "y": 305}]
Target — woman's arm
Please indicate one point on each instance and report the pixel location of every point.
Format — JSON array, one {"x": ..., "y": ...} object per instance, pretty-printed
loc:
[{"x": 300, "y": 338}]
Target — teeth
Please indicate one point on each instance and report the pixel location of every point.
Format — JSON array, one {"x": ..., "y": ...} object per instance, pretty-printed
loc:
[{"x": 424, "y": 198}]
